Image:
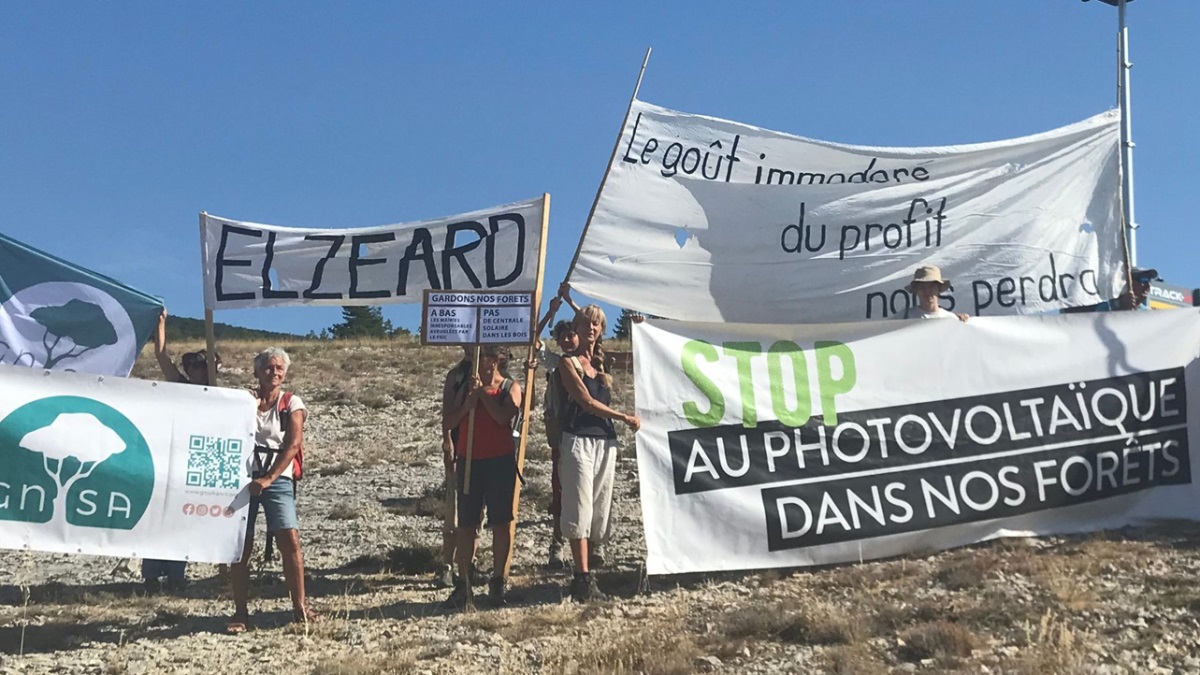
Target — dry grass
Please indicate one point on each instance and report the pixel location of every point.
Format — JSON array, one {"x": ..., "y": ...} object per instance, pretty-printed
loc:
[
  {"x": 651, "y": 650},
  {"x": 345, "y": 511},
  {"x": 853, "y": 660},
  {"x": 937, "y": 640},
  {"x": 1052, "y": 648},
  {"x": 518, "y": 627},
  {"x": 969, "y": 570},
  {"x": 409, "y": 560},
  {"x": 393, "y": 660},
  {"x": 430, "y": 503},
  {"x": 794, "y": 621}
]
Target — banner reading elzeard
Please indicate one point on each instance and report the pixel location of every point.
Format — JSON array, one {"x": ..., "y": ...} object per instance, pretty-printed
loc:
[
  {"x": 778, "y": 446},
  {"x": 112, "y": 466},
  {"x": 253, "y": 265},
  {"x": 703, "y": 219}
]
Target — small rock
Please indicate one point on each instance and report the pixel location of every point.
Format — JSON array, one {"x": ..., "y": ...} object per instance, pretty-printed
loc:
[{"x": 708, "y": 662}]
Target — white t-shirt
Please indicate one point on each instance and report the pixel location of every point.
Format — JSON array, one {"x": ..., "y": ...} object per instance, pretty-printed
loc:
[
  {"x": 939, "y": 313},
  {"x": 269, "y": 433}
]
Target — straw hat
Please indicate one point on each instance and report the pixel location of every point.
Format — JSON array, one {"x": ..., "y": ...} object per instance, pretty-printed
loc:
[{"x": 928, "y": 274}]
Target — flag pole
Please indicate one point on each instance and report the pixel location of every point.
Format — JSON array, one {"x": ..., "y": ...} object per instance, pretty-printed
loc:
[
  {"x": 210, "y": 337},
  {"x": 608, "y": 168},
  {"x": 1127, "y": 144},
  {"x": 530, "y": 365}
]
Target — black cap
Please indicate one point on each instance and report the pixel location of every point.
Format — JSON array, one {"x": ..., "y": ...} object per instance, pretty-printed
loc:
[
  {"x": 1112, "y": 2},
  {"x": 1144, "y": 274}
]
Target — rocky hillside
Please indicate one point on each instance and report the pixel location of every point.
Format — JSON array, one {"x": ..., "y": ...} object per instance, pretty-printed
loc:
[{"x": 1117, "y": 602}]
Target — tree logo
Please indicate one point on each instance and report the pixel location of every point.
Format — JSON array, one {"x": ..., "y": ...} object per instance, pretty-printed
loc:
[
  {"x": 73, "y": 460},
  {"x": 65, "y": 325}
]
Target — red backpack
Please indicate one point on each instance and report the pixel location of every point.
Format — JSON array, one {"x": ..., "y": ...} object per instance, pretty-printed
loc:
[{"x": 285, "y": 417}]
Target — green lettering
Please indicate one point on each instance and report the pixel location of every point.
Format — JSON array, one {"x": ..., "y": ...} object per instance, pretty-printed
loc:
[
  {"x": 792, "y": 417},
  {"x": 742, "y": 352},
  {"x": 716, "y": 402},
  {"x": 830, "y": 388}
]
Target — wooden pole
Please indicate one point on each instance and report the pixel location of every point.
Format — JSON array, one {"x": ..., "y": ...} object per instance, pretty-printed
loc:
[
  {"x": 608, "y": 169},
  {"x": 527, "y": 399},
  {"x": 210, "y": 336},
  {"x": 470, "y": 427}
]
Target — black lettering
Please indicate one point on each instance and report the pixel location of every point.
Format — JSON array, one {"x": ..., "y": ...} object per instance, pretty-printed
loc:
[
  {"x": 864, "y": 172},
  {"x": 222, "y": 263},
  {"x": 356, "y": 262},
  {"x": 267, "y": 290},
  {"x": 420, "y": 248},
  {"x": 651, "y": 146},
  {"x": 732, "y": 157},
  {"x": 319, "y": 270},
  {"x": 670, "y": 163},
  {"x": 632, "y": 138},
  {"x": 977, "y": 286},
  {"x": 778, "y": 175},
  {"x": 1052, "y": 278},
  {"x": 490, "y": 249},
  {"x": 452, "y": 251},
  {"x": 923, "y": 171},
  {"x": 1006, "y": 286},
  {"x": 683, "y": 164}
]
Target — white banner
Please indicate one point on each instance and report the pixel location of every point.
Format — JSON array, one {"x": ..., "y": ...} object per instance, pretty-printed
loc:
[
  {"x": 252, "y": 265},
  {"x": 110, "y": 466},
  {"x": 703, "y": 219},
  {"x": 778, "y": 446}
]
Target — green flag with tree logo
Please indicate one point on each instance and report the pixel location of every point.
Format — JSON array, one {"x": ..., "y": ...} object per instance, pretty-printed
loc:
[{"x": 60, "y": 316}]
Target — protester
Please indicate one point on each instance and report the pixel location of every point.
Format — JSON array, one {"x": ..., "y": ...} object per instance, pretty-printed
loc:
[
  {"x": 277, "y": 441},
  {"x": 1131, "y": 298},
  {"x": 556, "y": 411},
  {"x": 588, "y": 463},
  {"x": 454, "y": 391},
  {"x": 927, "y": 284},
  {"x": 495, "y": 399},
  {"x": 195, "y": 371}
]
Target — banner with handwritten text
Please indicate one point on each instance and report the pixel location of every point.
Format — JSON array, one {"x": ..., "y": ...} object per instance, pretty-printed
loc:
[{"x": 703, "y": 219}]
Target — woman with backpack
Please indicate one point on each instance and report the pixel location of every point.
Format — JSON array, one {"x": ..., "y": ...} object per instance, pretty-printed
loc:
[
  {"x": 277, "y": 446},
  {"x": 495, "y": 400},
  {"x": 588, "y": 464}
]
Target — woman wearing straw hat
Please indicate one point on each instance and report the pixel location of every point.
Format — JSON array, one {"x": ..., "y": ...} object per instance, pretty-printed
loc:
[{"x": 926, "y": 284}]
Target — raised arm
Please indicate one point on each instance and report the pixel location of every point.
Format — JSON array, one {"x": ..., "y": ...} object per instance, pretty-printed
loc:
[
  {"x": 165, "y": 364},
  {"x": 503, "y": 408}
]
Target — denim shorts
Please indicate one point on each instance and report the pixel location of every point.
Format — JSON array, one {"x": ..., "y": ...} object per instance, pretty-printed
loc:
[{"x": 279, "y": 504}]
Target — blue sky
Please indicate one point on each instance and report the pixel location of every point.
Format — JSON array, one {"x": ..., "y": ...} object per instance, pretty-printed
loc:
[{"x": 121, "y": 121}]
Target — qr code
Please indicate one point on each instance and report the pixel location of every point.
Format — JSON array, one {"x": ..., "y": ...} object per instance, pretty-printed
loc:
[{"x": 214, "y": 462}]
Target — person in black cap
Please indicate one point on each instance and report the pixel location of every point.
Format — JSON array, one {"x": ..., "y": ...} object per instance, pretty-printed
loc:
[{"x": 1130, "y": 298}]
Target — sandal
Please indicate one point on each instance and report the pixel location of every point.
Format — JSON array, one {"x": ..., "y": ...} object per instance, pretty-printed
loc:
[{"x": 237, "y": 624}]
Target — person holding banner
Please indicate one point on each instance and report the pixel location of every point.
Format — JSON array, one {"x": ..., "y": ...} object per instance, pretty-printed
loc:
[
  {"x": 195, "y": 365},
  {"x": 1132, "y": 298},
  {"x": 588, "y": 464},
  {"x": 278, "y": 440},
  {"x": 927, "y": 284},
  {"x": 454, "y": 391},
  {"x": 495, "y": 400}
]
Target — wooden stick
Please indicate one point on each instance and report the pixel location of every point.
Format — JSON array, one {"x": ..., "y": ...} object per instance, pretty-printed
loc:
[
  {"x": 616, "y": 148},
  {"x": 210, "y": 336},
  {"x": 470, "y": 428},
  {"x": 527, "y": 399}
]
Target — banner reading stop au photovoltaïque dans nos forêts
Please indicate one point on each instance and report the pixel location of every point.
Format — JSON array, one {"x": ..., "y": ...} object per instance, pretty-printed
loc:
[{"x": 777, "y": 446}]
